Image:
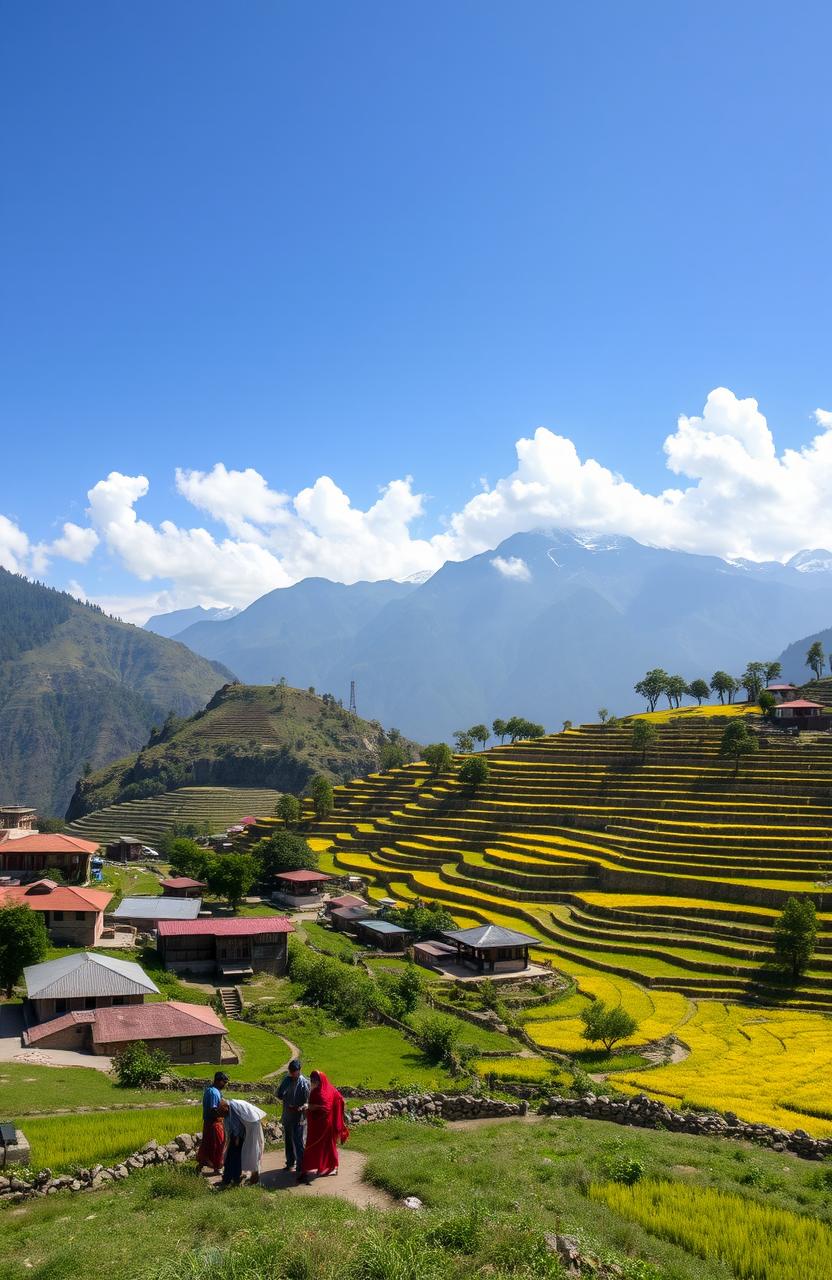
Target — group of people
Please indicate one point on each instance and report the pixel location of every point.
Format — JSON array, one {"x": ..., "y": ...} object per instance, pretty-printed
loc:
[{"x": 313, "y": 1127}]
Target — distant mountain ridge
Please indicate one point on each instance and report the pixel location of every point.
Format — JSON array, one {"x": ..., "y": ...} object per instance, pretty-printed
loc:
[
  {"x": 550, "y": 625},
  {"x": 78, "y": 687},
  {"x": 171, "y": 624}
]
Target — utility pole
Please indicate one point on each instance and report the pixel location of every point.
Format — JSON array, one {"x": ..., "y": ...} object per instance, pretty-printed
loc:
[{"x": 353, "y": 710}]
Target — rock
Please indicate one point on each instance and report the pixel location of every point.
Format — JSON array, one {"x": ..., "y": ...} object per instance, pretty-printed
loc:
[
  {"x": 567, "y": 1250},
  {"x": 412, "y": 1202},
  {"x": 184, "y": 1141}
]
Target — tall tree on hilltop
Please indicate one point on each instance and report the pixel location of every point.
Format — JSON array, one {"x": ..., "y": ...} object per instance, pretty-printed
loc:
[
  {"x": 773, "y": 671},
  {"x": 323, "y": 796},
  {"x": 652, "y": 686},
  {"x": 438, "y": 757},
  {"x": 733, "y": 688},
  {"x": 753, "y": 679},
  {"x": 736, "y": 742},
  {"x": 675, "y": 689},
  {"x": 499, "y": 729},
  {"x": 698, "y": 689},
  {"x": 23, "y": 941},
  {"x": 479, "y": 733},
  {"x": 795, "y": 935},
  {"x": 603, "y": 715},
  {"x": 463, "y": 741},
  {"x": 816, "y": 659},
  {"x": 721, "y": 684}
]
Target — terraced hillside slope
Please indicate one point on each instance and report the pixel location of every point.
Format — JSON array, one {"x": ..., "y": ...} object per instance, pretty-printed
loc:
[
  {"x": 656, "y": 885},
  {"x": 207, "y": 809},
  {"x": 79, "y": 688},
  {"x": 266, "y": 738}
]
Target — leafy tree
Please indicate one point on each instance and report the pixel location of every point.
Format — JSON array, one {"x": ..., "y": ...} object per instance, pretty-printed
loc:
[
  {"x": 474, "y": 771},
  {"x": 289, "y": 808},
  {"x": 323, "y": 796},
  {"x": 652, "y": 686},
  {"x": 767, "y": 702},
  {"x": 606, "y": 1024},
  {"x": 645, "y": 735},
  {"x": 424, "y": 919},
  {"x": 137, "y": 1065},
  {"x": 500, "y": 729},
  {"x": 753, "y": 679},
  {"x": 737, "y": 742},
  {"x": 675, "y": 688},
  {"x": 721, "y": 683},
  {"x": 603, "y": 714},
  {"x": 437, "y": 1035},
  {"x": 284, "y": 851},
  {"x": 403, "y": 989},
  {"x": 392, "y": 756},
  {"x": 733, "y": 688},
  {"x": 518, "y": 727},
  {"x": 773, "y": 671},
  {"x": 698, "y": 689},
  {"x": 463, "y": 740},
  {"x": 567, "y": 724},
  {"x": 479, "y": 733},
  {"x": 795, "y": 935},
  {"x": 51, "y": 826},
  {"x": 815, "y": 658},
  {"x": 187, "y": 858},
  {"x": 23, "y": 941},
  {"x": 438, "y": 757},
  {"x": 231, "y": 876}
]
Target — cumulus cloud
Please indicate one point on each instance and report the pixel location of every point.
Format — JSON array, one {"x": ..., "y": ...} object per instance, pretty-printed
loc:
[
  {"x": 512, "y": 567},
  {"x": 733, "y": 494}
]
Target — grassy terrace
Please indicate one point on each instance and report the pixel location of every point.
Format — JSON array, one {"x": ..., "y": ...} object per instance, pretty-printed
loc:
[
  {"x": 148, "y": 820},
  {"x": 667, "y": 876}
]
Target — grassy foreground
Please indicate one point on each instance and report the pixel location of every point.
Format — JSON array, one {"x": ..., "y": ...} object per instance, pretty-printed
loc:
[{"x": 553, "y": 1176}]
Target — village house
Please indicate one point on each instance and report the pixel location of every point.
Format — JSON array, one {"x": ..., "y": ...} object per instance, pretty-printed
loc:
[
  {"x": 800, "y": 712},
  {"x": 234, "y": 948},
  {"x": 782, "y": 692},
  {"x": 182, "y": 887},
  {"x": 185, "y": 1032},
  {"x": 125, "y": 849},
  {"x": 145, "y": 913},
  {"x": 31, "y": 854},
  {"x": 347, "y": 919},
  {"x": 343, "y": 900},
  {"x": 489, "y": 948},
  {"x": 383, "y": 934},
  {"x": 83, "y": 982},
  {"x": 73, "y": 915},
  {"x": 18, "y": 817},
  {"x": 299, "y": 889}
]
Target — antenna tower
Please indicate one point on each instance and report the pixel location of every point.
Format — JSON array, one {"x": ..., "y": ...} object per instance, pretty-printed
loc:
[{"x": 353, "y": 710}]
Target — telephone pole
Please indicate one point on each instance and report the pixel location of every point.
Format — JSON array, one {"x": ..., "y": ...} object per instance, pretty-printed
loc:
[{"x": 353, "y": 710}]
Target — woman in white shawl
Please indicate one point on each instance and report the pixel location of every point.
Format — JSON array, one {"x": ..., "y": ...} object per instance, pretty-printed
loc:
[{"x": 250, "y": 1119}]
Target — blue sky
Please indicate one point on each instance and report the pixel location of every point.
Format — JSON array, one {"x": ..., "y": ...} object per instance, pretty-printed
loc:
[{"x": 371, "y": 241}]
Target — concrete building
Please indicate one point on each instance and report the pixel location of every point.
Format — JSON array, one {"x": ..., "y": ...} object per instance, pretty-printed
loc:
[
  {"x": 18, "y": 817},
  {"x": 73, "y": 915},
  {"x": 81, "y": 983},
  {"x": 185, "y": 1032},
  {"x": 30, "y": 855},
  {"x": 233, "y": 948}
]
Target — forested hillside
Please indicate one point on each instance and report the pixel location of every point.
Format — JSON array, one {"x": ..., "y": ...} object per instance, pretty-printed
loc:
[
  {"x": 78, "y": 688},
  {"x": 247, "y": 736}
]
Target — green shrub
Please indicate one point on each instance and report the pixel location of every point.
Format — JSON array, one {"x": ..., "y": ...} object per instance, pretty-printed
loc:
[{"x": 137, "y": 1064}]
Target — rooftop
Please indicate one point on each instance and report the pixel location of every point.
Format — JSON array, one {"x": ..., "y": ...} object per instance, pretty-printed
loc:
[
  {"x": 157, "y": 1021},
  {"x": 302, "y": 877},
  {"x": 183, "y": 882},
  {"x": 245, "y": 927},
  {"x": 85, "y": 974},
  {"x": 489, "y": 937},
  {"x": 46, "y": 895},
  {"x": 346, "y": 900},
  {"x": 42, "y": 842},
  {"x": 158, "y": 909},
  {"x": 358, "y": 912},
  {"x": 48, "y": 1028},
  {"x": 383, "y": 926},
  {"x": 799, "y": 703}
]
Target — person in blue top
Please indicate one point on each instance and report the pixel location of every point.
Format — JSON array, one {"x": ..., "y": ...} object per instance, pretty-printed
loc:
[
  {"x": 211, "y": 1147},
  {"x": 293, "y": 1092},
  {"x": 235, "y": 1132}
]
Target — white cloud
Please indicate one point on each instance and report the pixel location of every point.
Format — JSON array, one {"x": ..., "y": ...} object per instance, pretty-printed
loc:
[
  {"x": 512, "y": 567},
  {"x": 733, "y": 495}
]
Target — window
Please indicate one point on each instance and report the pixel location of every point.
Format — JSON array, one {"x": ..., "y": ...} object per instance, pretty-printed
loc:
[
  {"x": 60, "y": 1007},
  {"x": 186, "y": 1048},
  {"x": 89, "y": 1002},
  {"x": 80, "y": 915},
  {"x": 118, "y": 999},
  {"x": 57, "y": 915}
]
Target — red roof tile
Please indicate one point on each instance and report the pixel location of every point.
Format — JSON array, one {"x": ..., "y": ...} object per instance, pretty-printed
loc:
[
  {"x": 40, "y": 842},
  {"x": 302, "y": 877},
  {"x": 183, "y": 882},
  {"x": 245, "y": 927},
  {"x": 798, "y": 702},
  {"x": 61, "y": 897},
  {"x": 157, "y": 1021}
]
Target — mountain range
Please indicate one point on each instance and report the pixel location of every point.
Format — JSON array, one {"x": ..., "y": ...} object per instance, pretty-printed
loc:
[
  {"x": 79, "y": 688},
  {"x": 551, "y": 625}
]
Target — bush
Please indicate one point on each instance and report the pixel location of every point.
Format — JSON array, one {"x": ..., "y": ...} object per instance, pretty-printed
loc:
[
  {"x": 437, "y": 1035},
  {"x": 474, "y": 772},
  {"x": 624, "y": 1167},
  {"x": 137, "y": 1065},
  {"x": 344, "y": 989}
]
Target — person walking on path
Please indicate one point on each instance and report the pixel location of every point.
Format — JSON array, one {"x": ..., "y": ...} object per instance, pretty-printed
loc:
[
  {"x": 212, "y": 1146},
  {"x": 251, "y": 1118},
  {"x": 293, "y": 1092},
  {"x": 326, "y": 1128}
]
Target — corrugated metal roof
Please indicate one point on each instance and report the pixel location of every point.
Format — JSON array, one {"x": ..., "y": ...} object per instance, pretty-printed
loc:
[
  {"x": 383, "y": 926},
  {"x": 158, "y": 1021},
  {"x": 85, "y": 974},
  {"x": 182, "y": 882},
  {"x": 490, "y": 935},
  {"x": 247, "y": 927},
  {"x": 158, "y": 909},
  {"x": 76, "y": 1018}
]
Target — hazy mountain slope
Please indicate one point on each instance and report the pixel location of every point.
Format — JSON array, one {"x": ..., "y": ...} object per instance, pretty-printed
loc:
[
  {"x": 572, "y": 627},
  {"x": 77, "y": 686},
  {"x": 171, "y": 624},
  {"x": 247, "y": 736},
  {"x": 793, "y": 657}
]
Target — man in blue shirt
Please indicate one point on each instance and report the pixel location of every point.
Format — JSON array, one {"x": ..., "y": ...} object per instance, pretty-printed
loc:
[{"x": 293, "y": 1092}]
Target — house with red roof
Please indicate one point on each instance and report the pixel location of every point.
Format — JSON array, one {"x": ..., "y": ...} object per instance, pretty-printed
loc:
[
  {"x": 27, "y": 853},
  {"x": 299, "y": 888},
  {"x": 182, "y": 887},
  {"x": 802, "y": 713},
  {"x": 185, "y": 1032},
  {"x": 232, "y": 947},
  {"x": 73, "y": 915}
]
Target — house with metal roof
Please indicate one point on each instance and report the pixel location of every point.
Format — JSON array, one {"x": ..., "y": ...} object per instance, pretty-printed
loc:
[
  {"x": 73, "y": 915},
  {"x": 490, "y": 948},
  {"x": 233, "y": 947},
  {"x": 384, "y": 934},
  {"x": 182, "y": 887},
  {"x": 300, "y": 888},
  {"x": 185, "y": 1032},
  {"x": 83, "y": 981},
  {"x": 347, "y": 919},
  {"x": 146, "y": 913}
]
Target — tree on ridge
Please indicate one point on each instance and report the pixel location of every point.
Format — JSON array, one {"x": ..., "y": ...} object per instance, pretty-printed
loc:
[
  {"x": 736, "y": 742},
  {"x": 675, "y": 688},
  {"x": 652, "y": 686},
  {"x": 645, "y": 735},
  {"x": 606, "y": 1023},
  {"x": 438, "y": 757},
  {"x": 479, "y": 733},
  {"x": 795, "y": 935},
  {"x": 816, "y": 659},
  {"x": 698, "y": 689}
]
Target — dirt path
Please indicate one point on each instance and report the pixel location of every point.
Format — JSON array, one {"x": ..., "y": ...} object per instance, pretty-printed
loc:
[{"x": 349, "y": 1183}]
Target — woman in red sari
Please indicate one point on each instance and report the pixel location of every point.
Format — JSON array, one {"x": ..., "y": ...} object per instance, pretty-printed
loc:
[{"x": 325, "y": 1128}]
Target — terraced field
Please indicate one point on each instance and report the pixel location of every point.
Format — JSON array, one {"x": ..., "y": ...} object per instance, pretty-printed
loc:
[
  {"x": 148, "y": 820},
  {"x": 656, "y": 885}
]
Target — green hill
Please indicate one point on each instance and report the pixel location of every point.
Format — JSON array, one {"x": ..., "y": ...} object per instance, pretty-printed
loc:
[
  {"x": 78, "y": 687},
  {"x": 214, "y": 808},
  {"x": 249, "y": 736}
]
